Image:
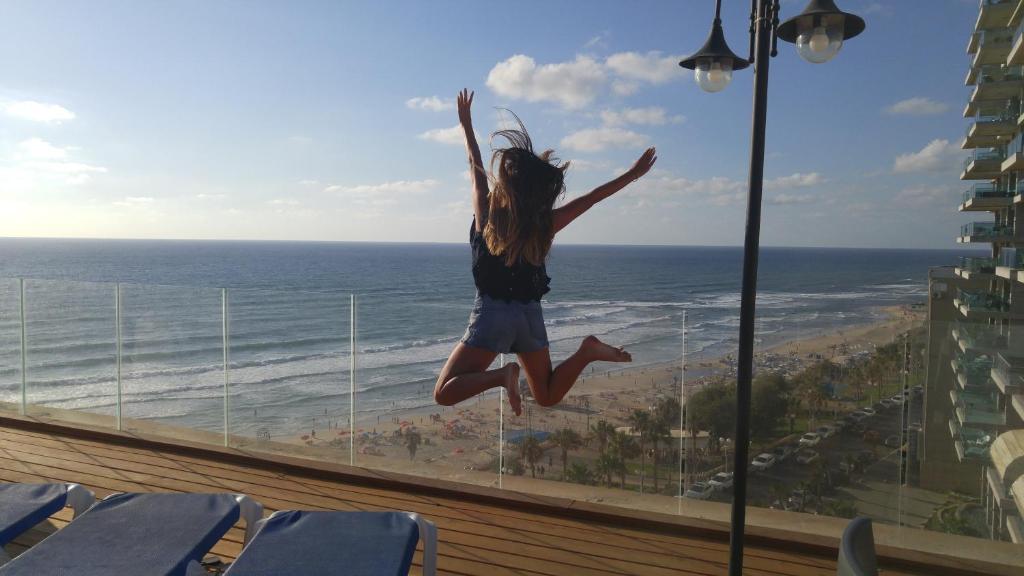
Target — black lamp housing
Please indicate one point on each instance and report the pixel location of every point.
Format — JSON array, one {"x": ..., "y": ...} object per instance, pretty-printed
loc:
[
  {"x": 715, "y": 49},
  {"x": 816, "y": 11}
]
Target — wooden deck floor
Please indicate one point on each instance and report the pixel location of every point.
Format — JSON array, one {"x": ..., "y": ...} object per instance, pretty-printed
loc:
[{"x": 475, "y": 538}]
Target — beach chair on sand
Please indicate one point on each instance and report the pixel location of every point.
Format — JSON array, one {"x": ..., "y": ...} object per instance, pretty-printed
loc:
[
  {"x": 152, "y": 534},
  {"x": 328, "y": 543},
  {"x": 22, "y": 506}
]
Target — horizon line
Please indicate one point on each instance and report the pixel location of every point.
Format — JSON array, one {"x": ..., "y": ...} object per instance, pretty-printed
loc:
[{"x": 952, "y": 248}]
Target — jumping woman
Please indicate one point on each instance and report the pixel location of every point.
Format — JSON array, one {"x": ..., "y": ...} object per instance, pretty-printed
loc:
[{"x": 513, "y": 228}]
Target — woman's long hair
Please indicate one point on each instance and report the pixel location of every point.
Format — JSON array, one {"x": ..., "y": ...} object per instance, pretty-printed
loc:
[{"x": 526, "y": 186}]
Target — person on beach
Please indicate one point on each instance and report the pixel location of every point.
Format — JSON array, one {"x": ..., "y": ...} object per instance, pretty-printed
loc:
[{"x": 513, "y": 228}]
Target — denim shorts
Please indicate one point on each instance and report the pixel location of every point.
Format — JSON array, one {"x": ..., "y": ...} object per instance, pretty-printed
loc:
[{"x": 505, "y": 327}]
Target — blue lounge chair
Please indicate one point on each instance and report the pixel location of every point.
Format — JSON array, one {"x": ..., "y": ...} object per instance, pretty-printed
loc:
[
  {"x": 328, "y": 543},
  {"x": 153, "y": 534},
  {"x": 22, "y": 506},
  {"x": 857, "y": 549}
]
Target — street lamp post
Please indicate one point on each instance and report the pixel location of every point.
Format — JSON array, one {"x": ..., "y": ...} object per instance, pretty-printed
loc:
[{"x": 818, "y": 32}]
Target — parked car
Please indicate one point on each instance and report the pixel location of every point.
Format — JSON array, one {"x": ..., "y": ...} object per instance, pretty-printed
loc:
[
  {"x": 782, "y": 452},
  {"x": 857, "y": 416},
  {"x": 847, "y": 466},
  {"x": 825, "y": 431},
  {"x": 839, "y": 425},
  {"x": 763, "y": 462},
  {"x": 798, "y": 499},
  {"x": 897, "y": 399},
  {"x": 887, "y": 403},
  {"x": 810, "y": 439},
  {"x": 806, "y": 456},
  {"x": 859, "y": 428},
  {"x": 892, "y": 441},
  {"x": 914, "y": 426},
  {"x": 917, "y": 390},
  {"x": 721, "y": 481},
  {"x": 868, "y": 411},
  {"x": 699, "y": 491},
  {"x": 878, "y": 406}
]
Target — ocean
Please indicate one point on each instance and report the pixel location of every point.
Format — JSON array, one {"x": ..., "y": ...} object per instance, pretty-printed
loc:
[{"x": 289, "y": 317}]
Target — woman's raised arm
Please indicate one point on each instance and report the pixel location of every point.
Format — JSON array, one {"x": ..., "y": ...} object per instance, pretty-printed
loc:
[{"x": 477, "y": 172}]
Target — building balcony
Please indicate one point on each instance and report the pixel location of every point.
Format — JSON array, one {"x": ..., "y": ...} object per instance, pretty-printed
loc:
[
  {"x": 996, "y": 82},
  {"x": 972, "y": 372},
  {"x": 1017, "y": 402},
  {"x": 994, "y": 14},
  {"x": 983, "y": 164},
  {"x": 1011, "y": 261},
  {"x": 973, "y": 267},
  {"x": 1016, "y": 55},
  {"x": 990, "y": 130},
  {"x": 985, "y": 232},
  {"x": 981, "y": 305},
  {"x": 971, "y": 443},
  {"x": 986, "y": 197},
  {"x": 1008, "y": 373},
  {"x": 978, "y": 338},
  {"x": 977, "y": 409},
  {"x": 991, "y": 47}
]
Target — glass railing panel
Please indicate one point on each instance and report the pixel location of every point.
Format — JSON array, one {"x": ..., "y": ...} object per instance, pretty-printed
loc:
[
  {"x": 618, "y": 436},
  {"x": 990, "y": 301},
  {"x": 71, "y": 353},
  {"x": 1011, "y": 257},
  {"x": 290, "y": 361},
  {"x": 983, "y": 230},
  {"x": 10, "y": 344},
  {"x": 979, "y": 264},
  {"x": 403, "y": 339},
  {"x": 172, "y": 369},
  {"x": 987, "y": 190}
]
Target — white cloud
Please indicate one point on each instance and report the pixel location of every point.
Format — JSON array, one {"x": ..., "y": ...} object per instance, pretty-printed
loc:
[
  {"x": 135, "y": 201},
  {"x": 38, "y": 111},
  {"x": 385, "y": 193},
  {"x": 205, "y": 196},
  {"x": 571, "y": 84},
  {"x": 652, "y": 116},
  {"x": 451, "y": 135},
  {"x": 597, "y": 41},
  {"x": 933, "y": 155},
  {"x": 924, "y": 195},
  {"x": 651, "y": 67},
  {"x": 917, "y": 107},
  {"x": 39, "y": 149},
  {"x": 283, "y": 202},
  {"x": 36, "y": 163},
  {"x": 597, "y": 139},
  {"x": 795, "y": 180},
  {"x": 782, "y": 199},
  {"x": 432, "y": 103},
  {"x": 625, "y": 88}
]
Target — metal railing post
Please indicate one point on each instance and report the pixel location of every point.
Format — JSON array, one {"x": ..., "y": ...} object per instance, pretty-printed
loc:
[
  {"x": 117, "y": 333},
  {"x": 227, "y": 362},
  {"x": 24, "y": 348},
  {"x": 501, "y": 430},
  {"x": 352, "y": 381}
]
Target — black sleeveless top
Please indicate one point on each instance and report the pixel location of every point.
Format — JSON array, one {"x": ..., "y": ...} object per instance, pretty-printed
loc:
[{"x": 523, "y": 282}]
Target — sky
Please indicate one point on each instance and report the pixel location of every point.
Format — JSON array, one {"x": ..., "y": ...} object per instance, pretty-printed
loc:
[{"x": 335, "y": 120}]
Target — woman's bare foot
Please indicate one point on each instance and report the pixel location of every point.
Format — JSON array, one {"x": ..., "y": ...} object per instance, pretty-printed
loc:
[
  {"x": 598, "y": 350},
  {"x": 512, "y": 387}
]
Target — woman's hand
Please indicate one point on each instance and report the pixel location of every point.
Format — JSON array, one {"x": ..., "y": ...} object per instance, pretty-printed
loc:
[
  {"x": 464, "y": 102},
  {"x": 643, "y": 164}
]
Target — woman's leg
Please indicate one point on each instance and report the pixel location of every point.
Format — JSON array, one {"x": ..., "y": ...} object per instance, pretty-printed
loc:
[
  {"x": 550, "y": 386},
  {"x": 466, "y": 374}
]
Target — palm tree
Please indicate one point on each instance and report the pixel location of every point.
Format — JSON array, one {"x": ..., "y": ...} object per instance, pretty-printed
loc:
[
  {"x": 622, "y": 447},
  {"x": 531, "y": 452},
  {"x": 566, "y": 439},
  {"x": 580, "y": 474},
  {"x": 606, "y": 465},
  {"x": 412, "y": 442},
  {"x": 666, "y": 413},
  {"x": 602, "y": 431},
  {"x": 640, "y": 421}
]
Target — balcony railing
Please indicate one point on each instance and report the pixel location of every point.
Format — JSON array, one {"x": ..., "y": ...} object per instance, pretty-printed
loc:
[
  {"x": 978, "y": 265},
  {"x": 980, "y": 336},
  {"x": 973, "y": 442},
  {"x": 1008, "y": 372},
  {"x": 990, "y": 73},
  {"x": 983, "y": 301},
  {"x": 983, "y": 191},
  {"x": 975, "y": 369},
  {"x": 1011, "y": 258},
  {"x": 985, "y": 230},
  {"x": 977, "y": 408}
]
